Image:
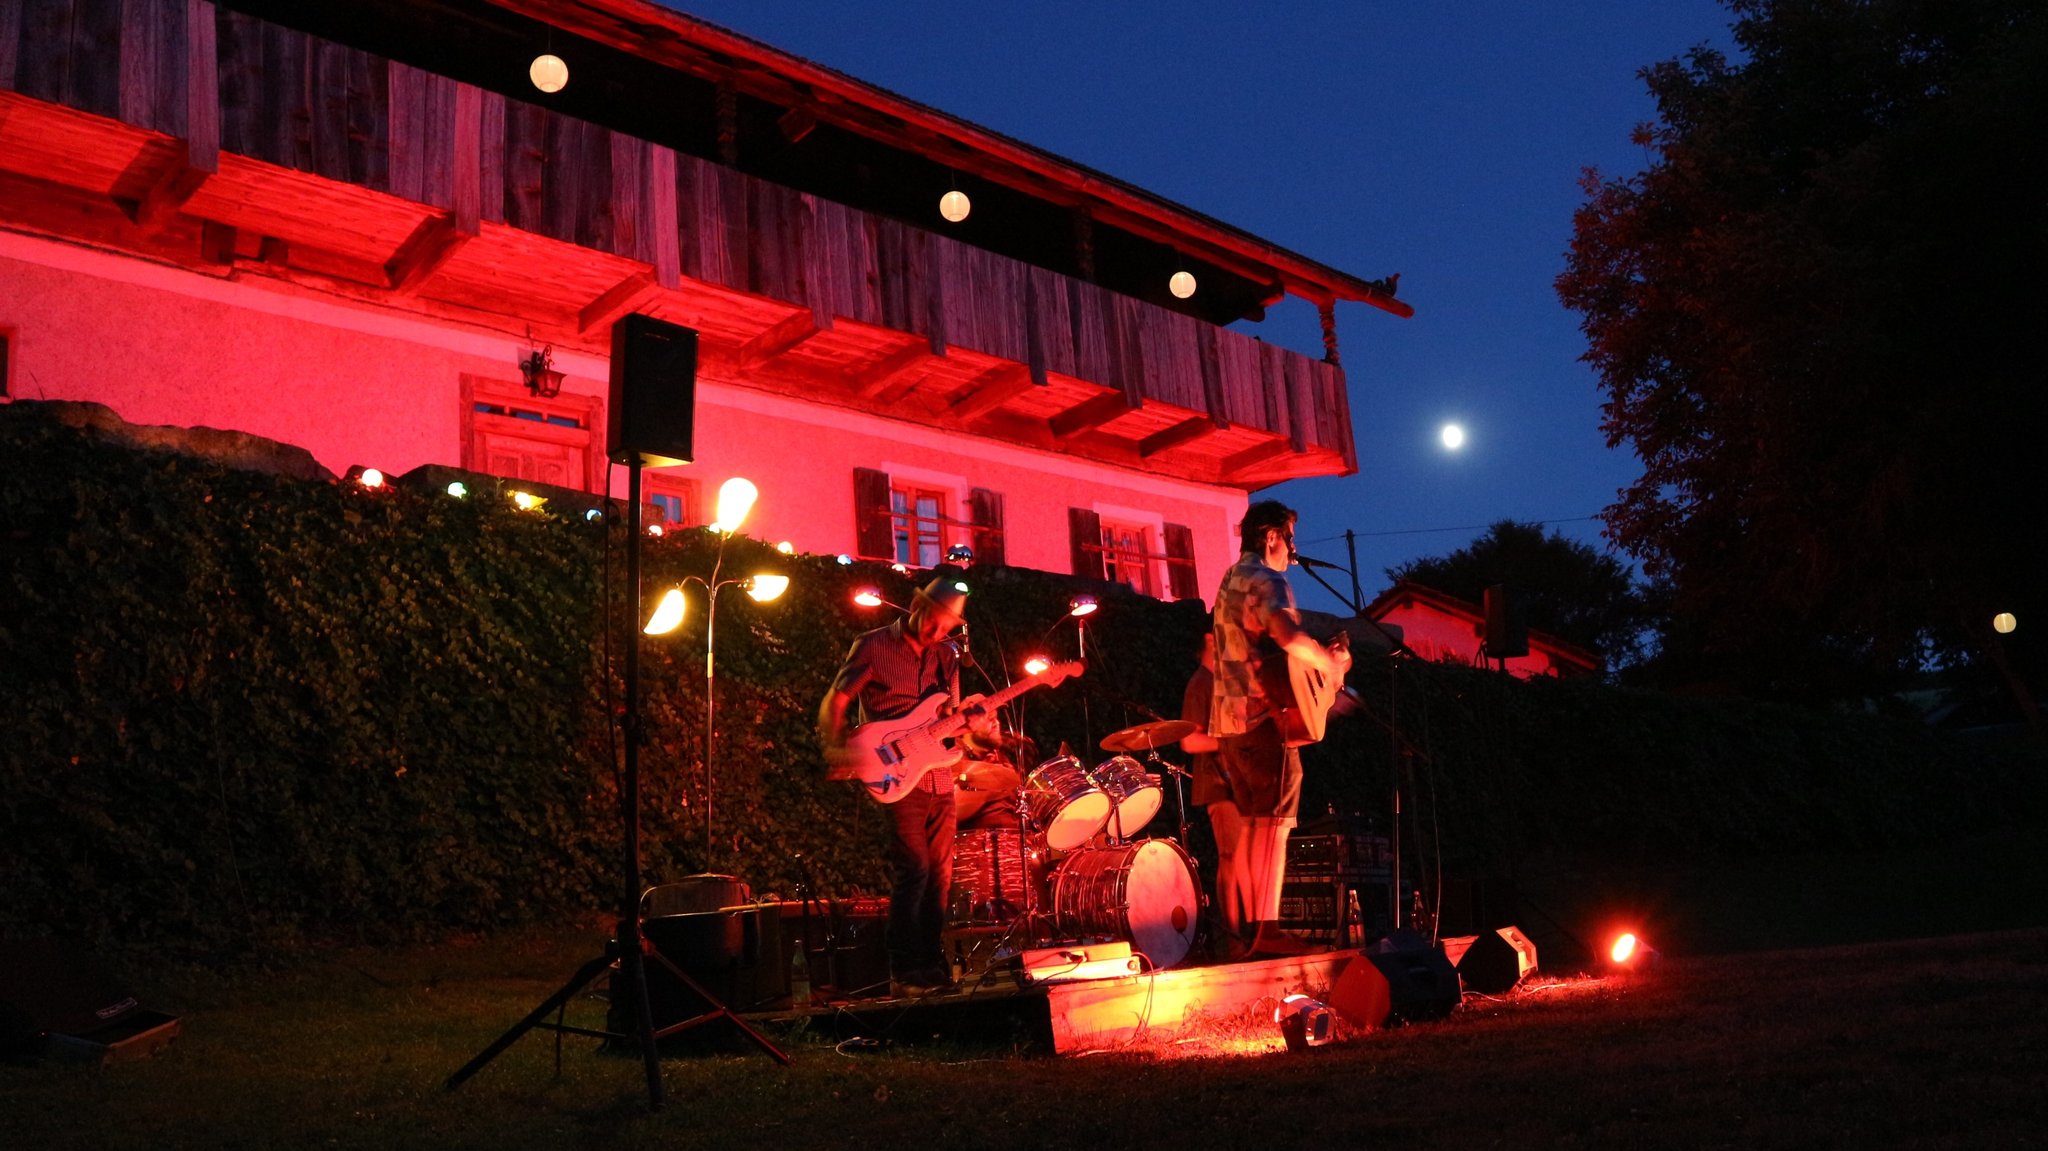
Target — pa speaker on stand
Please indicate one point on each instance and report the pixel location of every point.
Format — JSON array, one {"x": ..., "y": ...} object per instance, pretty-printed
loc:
[{"x": 652, "y": 414}]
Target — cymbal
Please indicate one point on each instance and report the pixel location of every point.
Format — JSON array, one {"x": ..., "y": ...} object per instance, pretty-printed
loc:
[{"x": 1146, "y": 736}]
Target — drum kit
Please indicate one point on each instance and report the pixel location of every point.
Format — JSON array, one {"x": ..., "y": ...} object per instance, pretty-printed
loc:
[{"x": 1055, "y": 856}]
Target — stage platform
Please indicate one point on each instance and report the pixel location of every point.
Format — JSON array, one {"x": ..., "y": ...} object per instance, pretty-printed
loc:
[{"x": 1080, "y": 1015}]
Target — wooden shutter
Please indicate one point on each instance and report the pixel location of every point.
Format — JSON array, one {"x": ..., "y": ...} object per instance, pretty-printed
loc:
[
  {"x": 1180, "y": 563},
  {"x": 985, "y": 509},
  {"x": 1085, "y": 529},
  {"x": 871, "y": 533}
]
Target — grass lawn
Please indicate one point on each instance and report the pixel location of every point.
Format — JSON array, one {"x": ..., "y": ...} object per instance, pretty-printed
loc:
[{"x": 1927, "y": 1042}]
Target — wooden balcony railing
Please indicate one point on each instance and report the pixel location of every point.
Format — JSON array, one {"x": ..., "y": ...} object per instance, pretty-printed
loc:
[{"x": 222, "y": 98}]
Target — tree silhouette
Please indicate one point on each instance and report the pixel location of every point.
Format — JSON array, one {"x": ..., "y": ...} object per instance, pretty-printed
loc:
[
  {"x": 1815, "y": 315},
  {"x": 1568, "y": 589}
]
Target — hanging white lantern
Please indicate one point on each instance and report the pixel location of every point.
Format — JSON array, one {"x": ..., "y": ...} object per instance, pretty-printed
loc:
[
  {"x": 549, "y": 72},
  {"x": 2004, "y": 623},
  {"x": 1182, "y": 285},
  {"x": 955, "y": 205}
]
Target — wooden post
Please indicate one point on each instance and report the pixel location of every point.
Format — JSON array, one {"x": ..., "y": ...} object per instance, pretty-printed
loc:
[{"x": 1327, "y": 309}]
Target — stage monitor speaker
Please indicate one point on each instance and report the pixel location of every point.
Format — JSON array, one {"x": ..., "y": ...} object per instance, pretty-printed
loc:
[
  {"x": 56, "y": 1001},
  {"x": 1497, "y": 961},
  {"x": 1507, "y": 623},
  {"x": 1421, "y": 983},
  {"x": 1361, "y": 995},
  {"x": 653, "y": 409}
]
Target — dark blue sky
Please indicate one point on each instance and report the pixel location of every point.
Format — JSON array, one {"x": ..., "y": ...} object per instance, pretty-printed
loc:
[{"x": 1443, "y": 141}]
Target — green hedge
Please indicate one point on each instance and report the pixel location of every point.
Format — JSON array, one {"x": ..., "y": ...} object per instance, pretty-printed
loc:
[{"x": 245, "y": 710}]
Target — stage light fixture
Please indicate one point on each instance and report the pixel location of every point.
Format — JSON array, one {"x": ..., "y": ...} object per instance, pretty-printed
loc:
[
  {"x": 1304, "y": 1022},
  {"x": 960, "y": 554},
  {"x": 1036, "y": 664},
  {"x": 786, "y": 548},
  {"x": 371, "y": 478},
  {"x": 528, "y": 502},
  {"x": 593, "y": 515},
  {"x": 765, "y": 588},
  {"x": 736, "y": 498},
  {"x": 655, "y": 530},
  {"x": 1629, "y": 952},
  {"x": 668, "y": 614},
  {"x": 868, "y": 597},
  {"x": 1082, "y": 605},
  {"x": 458, "y": 489},
  {"x": 843, "y": 560}
]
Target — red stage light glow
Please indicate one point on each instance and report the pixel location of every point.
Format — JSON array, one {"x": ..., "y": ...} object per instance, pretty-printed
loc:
[{"x": 1624, "y": 948}]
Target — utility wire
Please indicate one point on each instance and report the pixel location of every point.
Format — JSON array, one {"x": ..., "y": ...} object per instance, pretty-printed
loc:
[{"x": 1463, "y": 528}]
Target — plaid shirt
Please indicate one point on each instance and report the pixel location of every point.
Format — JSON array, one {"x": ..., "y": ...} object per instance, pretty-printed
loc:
[{"x": 1245, "y": 605}]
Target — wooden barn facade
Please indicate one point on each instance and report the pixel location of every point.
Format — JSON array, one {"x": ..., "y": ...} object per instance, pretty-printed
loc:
[{"x": 345, "y": 224}]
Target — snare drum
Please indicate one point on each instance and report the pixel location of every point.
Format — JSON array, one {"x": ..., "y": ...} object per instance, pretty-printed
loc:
[
  {"x": 1134, "y": 792},
  {"x": 989, "y": 870},
  {"x": 1065, "y": 804},
  {"x": 1143, "y": 892}
]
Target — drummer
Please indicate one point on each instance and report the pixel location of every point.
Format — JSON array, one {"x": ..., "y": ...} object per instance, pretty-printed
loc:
[{"x": 986, "y": 782}]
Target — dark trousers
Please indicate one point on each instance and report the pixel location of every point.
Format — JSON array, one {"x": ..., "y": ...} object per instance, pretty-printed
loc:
[{"x": 922, "y": 856}]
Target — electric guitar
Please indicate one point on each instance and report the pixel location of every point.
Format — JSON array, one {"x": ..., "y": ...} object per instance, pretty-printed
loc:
[
  {"x": 1301, "y": 697},
  {"x": 890, "y": 756}
]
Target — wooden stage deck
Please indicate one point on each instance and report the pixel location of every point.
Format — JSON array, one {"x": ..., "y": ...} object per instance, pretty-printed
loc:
[{"x": 1092, "y": 1014}]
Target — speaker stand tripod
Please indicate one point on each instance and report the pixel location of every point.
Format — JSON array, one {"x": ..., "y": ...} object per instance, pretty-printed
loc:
[{"x": 628, "y": 947}]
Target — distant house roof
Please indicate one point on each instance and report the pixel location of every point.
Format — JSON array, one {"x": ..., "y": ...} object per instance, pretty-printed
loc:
[{"x": 1409, "y": 597}]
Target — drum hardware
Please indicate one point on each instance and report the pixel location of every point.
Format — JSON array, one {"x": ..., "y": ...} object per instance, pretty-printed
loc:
[{"x": 1148, "y": 736}]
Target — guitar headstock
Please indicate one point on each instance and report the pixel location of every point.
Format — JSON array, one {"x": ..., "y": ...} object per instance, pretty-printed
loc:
[{"x": 1056, "y": 673}]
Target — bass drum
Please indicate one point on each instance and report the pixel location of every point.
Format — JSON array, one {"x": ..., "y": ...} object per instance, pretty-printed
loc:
[{"x": 1143, "y": 892}]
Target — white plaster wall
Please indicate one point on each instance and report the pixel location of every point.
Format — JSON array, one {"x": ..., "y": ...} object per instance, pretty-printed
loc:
[{"x": 356, "y": 383}]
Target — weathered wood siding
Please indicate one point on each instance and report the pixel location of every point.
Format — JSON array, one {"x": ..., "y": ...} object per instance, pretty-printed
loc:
[{"x": 300, "y": 102}]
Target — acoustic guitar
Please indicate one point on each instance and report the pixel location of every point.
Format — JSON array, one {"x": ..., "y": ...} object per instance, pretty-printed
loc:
[
  {"x": 1301, "y": 696},
  {"x": 890, "y": 756}
]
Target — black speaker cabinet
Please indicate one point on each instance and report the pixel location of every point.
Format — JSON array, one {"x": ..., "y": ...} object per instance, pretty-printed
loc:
[
  {"x": 57, "y": 1003},
  {"x": 1497, "y": 960},
  {"x": 1421, "y": 983},
  {"x": 653, "y": 411},
  {"x": 1507, "y": 623}
]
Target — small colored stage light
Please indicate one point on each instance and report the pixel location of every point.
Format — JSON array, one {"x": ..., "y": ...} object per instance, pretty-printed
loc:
[
  {"x": 458, "y": 489},
  {"x": 868, "y": 597},
  {"x": 843, "y": 560},
  {"x": 1304, "y": 1022},
  {"x": 528, "y": 502},
  {"x": 593, "y": 515},
  {"x": 371, "y": 478},
  {"x": 655, "y": 530},
  {"x": 1082, "y": 605},
  {"x": 1036, "y": 664},
  {"x": 960, "y": 554},
  {"x": 786, "y": 548},
  {"x": 1629, "y": 953}
]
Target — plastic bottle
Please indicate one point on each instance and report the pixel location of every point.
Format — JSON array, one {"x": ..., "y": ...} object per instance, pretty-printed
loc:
[{"x": 799, "y": 977}]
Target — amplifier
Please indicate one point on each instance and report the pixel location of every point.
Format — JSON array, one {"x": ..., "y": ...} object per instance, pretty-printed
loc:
[
  {"x": 1331, "y": 854},
  {"x": 1337, "y": 911}
]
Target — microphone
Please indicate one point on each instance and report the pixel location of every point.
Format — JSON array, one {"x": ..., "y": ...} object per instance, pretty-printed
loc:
[
  {"x": 960, "y": 645},
  {"x": 1315, "y": 563}
]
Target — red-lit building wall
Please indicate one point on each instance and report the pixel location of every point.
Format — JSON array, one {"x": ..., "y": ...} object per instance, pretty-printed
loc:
[{"x": 354, "y": 383}]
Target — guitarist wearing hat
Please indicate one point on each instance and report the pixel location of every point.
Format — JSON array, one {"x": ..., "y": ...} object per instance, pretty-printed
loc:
[
  {"x": 888, "y": 672},
  {"x": 1257, "y": 632}
]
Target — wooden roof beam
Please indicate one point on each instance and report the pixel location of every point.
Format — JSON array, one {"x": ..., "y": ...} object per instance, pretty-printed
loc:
[
  {"x": 423, "y": 253},
  {"x": 780, "y": 337},
  {"x": 1180, "y": 435},
  {"x": 625, "y": 296},
  {"x": 874, "y": 379},
  {"x": 1238, "y": 463},
  {"x": 989, "y": 391},
  {"x": 1091, "y": 414}
]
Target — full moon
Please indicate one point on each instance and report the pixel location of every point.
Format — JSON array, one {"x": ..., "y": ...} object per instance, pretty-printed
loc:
[{"x": 1453, "y": 437}]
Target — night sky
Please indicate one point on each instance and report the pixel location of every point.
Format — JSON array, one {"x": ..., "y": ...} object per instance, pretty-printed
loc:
[{"x": 1440, "y": 141}]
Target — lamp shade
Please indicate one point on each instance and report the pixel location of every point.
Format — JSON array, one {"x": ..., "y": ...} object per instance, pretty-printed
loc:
[
  {"x": 736, "y": 498},
  {"x": 548, "y": 72},
  {"x": 1182, "y": 285},
  {"x": 764, "y": 588},
  {"x": 955, "y": 205},
  {"x": 668, "y": 614}
]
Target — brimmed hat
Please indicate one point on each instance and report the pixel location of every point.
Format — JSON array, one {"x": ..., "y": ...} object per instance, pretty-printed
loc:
[{"x": 948, "y": 588}]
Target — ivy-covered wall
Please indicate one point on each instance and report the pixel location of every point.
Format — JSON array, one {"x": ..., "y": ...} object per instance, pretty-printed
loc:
[{"x": 243, "y": 709}]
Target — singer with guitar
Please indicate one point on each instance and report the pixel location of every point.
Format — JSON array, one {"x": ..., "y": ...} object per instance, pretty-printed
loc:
[
  {"x": 1256, "y": 719},
  {"x": 888, "y": 673}
]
